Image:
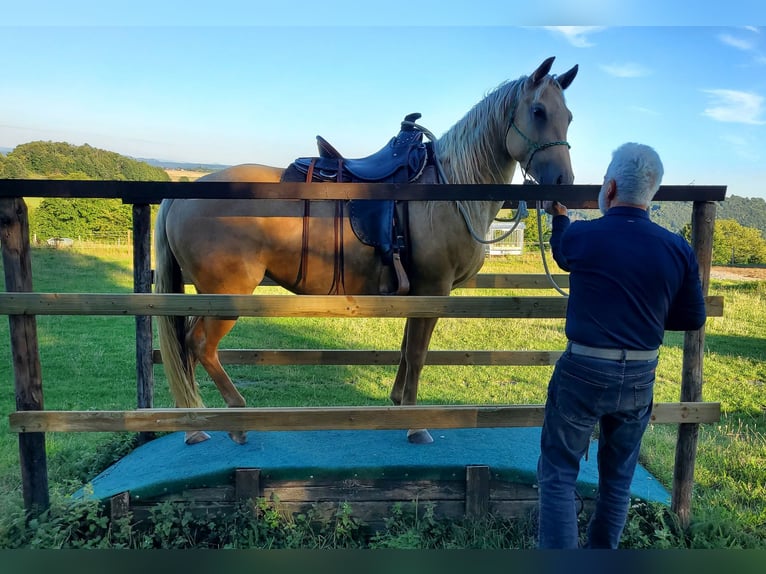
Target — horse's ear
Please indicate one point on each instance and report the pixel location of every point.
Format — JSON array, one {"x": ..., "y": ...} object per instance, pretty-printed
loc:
[
  {"x": 542, "y": 70},
  {"x": 566, "y": 78}
]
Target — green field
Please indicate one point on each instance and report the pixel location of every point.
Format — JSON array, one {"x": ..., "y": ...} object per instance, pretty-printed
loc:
[{"x": 89, "y": 363}]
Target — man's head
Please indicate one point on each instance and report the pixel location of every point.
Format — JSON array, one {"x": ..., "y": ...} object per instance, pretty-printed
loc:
[{"x": 632, "y": 178}]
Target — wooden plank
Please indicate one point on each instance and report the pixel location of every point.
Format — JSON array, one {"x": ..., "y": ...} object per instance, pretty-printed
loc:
[
  {"x": 372, "y": 357},
  {"x": 495, "y": 281},
  {"x": 515, "y": 281},
  {"x": 575, "y": 196},
  {"x": 292, "y": 305},
  {"x": 247, "y": 483},
  {"x": 476, "y": 490},
  {"x": 142, "y": 283},
  {"x": 279, "y": 305},
  {"x": 320, "y": 418},
  {"x": 27, "y": 371},
  {"x": 703, "y": 223},
  {"x": 354, "y": 490},
  {"x": 119, "y": 505}
]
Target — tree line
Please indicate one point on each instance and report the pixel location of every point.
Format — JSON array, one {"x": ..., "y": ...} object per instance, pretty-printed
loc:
[
  {"x": 739, "y": 237},
  {"x": 81, "y": 218}
]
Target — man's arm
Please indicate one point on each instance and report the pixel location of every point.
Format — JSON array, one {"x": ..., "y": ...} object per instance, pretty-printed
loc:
[
  {"x": 687, "y": 312},
  {"x": 560, "y": 224}
]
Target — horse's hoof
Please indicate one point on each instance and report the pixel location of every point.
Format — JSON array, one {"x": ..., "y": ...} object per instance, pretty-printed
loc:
[
  {"x": 196, "y": 437},
  {"x": 239, "y": 437},
  {"x": 420, "y": 436}
]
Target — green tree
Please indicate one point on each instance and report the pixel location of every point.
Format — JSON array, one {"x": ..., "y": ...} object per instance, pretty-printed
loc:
[
  {"x": 734, "y": 244},
  {"x": 531, "y": 236},
  {"x": 13, "y": 168}
]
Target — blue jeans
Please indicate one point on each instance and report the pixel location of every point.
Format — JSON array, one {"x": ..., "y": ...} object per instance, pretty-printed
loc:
[{"x": 584, "y": 391}]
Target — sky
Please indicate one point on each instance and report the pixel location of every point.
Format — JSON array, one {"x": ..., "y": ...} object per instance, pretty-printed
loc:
[{"x": 183, "y": 81}]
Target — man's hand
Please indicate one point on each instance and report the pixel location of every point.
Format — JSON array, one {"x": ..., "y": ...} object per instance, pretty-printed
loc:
[{"x": 555, "y": 208}]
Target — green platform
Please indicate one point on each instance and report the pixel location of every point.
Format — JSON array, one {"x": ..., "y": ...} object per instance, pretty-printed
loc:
[{"x": 166, "y": 465}]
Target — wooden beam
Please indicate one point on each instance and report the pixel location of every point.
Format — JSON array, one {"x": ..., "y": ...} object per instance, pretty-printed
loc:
[
  {"x": 142, "y": 283},
  {"x": 495, "y": 281},
  {"x": 25, "y": 355},
  {"x": 373, "y": 357},
  {"x": 575, "y": 196},
  {"x": 320, "y": 418},
  {"x": 477, "y": 479},
  {"x": 703, "y": 224},
  {"x": 292, "y": 305}
]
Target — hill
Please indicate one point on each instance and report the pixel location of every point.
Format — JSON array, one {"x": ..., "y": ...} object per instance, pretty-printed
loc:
[{"x": 60, "y": 160}]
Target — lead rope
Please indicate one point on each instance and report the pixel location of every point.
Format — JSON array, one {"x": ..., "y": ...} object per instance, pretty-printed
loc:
[{"x": 521, "y": 211}]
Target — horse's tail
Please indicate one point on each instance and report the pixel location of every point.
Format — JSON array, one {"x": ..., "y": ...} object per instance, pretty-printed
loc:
[{"x": 176, "y": 356}]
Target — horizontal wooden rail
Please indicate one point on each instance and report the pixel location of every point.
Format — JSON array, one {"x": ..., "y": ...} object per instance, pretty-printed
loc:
[
  {"x": 293, "y": 305},
  {"x": 321, "y": 418},
  {"x": 498, "y": 281},
  {"x": 371, "y": 357},
  {"x": 142, "y": 192}
]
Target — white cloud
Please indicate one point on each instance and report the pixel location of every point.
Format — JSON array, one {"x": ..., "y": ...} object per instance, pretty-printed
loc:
[
  {"x": 735, "y": 107},
  {"x": 628, "y": 70},
  {"x": 575, "y": 35},
  {"x": 734, "y": 42},
  {"x": 753, "y": 29}
]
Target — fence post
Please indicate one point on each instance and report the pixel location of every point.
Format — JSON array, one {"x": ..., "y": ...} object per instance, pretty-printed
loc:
[
  {"x": 17, "y": 264},
  {"x": 703, "y": 224},
  {"x": 142, "y": 283}
]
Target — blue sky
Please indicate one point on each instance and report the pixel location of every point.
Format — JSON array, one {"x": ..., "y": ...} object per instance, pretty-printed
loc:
[{"x": 184, "y": 82}]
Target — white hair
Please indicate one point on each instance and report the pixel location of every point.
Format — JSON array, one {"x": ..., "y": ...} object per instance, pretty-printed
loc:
[{"x": 637, "y": 170}]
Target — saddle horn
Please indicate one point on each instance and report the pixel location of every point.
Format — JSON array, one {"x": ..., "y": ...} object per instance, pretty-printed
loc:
[
  {"x": 542, "y": 70},
  {"x": 566, "y": 78}
]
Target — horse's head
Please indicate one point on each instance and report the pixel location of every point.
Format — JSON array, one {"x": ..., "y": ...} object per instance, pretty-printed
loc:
[{"x": 537, "y": 134}]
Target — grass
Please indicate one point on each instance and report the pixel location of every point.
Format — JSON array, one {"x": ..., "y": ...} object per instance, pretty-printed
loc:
[{"x": 88, "y": 363}]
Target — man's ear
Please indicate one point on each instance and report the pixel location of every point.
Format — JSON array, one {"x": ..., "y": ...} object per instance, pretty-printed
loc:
[{"x": 611, "y": 190}]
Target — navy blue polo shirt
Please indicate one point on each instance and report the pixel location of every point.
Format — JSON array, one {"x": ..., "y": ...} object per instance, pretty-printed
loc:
[{"x": 630, "y": 280}]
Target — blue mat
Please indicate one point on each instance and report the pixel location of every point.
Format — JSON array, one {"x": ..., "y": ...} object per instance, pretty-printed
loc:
[{"x": 166, "y": 465}]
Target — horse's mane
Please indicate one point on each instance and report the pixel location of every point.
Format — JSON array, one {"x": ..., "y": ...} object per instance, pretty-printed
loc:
[{"x": 468, "y": 151}]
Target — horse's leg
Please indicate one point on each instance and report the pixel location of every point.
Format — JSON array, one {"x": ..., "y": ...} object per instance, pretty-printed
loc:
[
  {"x": 415, "y": 347},
  {"x": 397, "y": 391},
  {"x": 203, "y": 339}
]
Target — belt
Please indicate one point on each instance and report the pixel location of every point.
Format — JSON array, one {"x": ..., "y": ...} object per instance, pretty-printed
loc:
[{"x": 612, "y": 354}]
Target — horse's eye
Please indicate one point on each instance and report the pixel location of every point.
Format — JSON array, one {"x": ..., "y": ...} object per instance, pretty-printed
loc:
[{"x": 538, "y": 112}]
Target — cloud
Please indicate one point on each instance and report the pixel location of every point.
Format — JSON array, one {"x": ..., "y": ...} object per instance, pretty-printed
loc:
[
  {"x": 628, "y": 70},
  {"x": 733, "y": 106},
  {"x": 734, "y": 42},
  {"x": 575, "y": 35}
]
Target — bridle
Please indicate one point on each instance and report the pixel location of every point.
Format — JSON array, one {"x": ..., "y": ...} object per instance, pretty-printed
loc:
[{"x": 532, "y": 146}]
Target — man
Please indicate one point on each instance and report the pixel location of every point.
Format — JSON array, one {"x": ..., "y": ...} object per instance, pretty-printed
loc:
[{"x": 630, "y": 280}]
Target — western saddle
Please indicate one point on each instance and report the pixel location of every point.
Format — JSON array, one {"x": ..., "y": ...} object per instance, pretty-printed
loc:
[{"x": 379, "y": 223}]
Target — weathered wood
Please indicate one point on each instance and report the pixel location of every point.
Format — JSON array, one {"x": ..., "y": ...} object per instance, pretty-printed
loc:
[
  {"x": 703, "y": 223},
  {"x": 119, "y": 505},
  {"x": 354, "y": 490},
  {"x": 476, "y": 490},
  {"x": 247, "y": 483},
  {"x": 17, "y": 266},
  {"x": 320, "y": 418},
  {"x": 293, "y": 305},
  {"x": 142, "y": 283},
  {"x": 372, "y": 357},
  {"x": 495, "y": 281},
  {"x": 577, "y": 196}
]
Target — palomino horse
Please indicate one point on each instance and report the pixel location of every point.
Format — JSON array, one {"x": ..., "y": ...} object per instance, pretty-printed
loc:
[{"x": 228, "y": 246}]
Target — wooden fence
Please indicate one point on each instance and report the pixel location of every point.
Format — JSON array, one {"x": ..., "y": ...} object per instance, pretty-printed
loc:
[{"x": 22, "y": 305}]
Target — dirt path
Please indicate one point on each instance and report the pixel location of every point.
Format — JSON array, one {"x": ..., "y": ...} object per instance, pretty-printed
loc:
[{"x": 741, "y": 273}]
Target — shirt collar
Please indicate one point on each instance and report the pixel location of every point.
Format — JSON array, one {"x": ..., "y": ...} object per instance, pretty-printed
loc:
[{"x": 628, "y": 211}]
